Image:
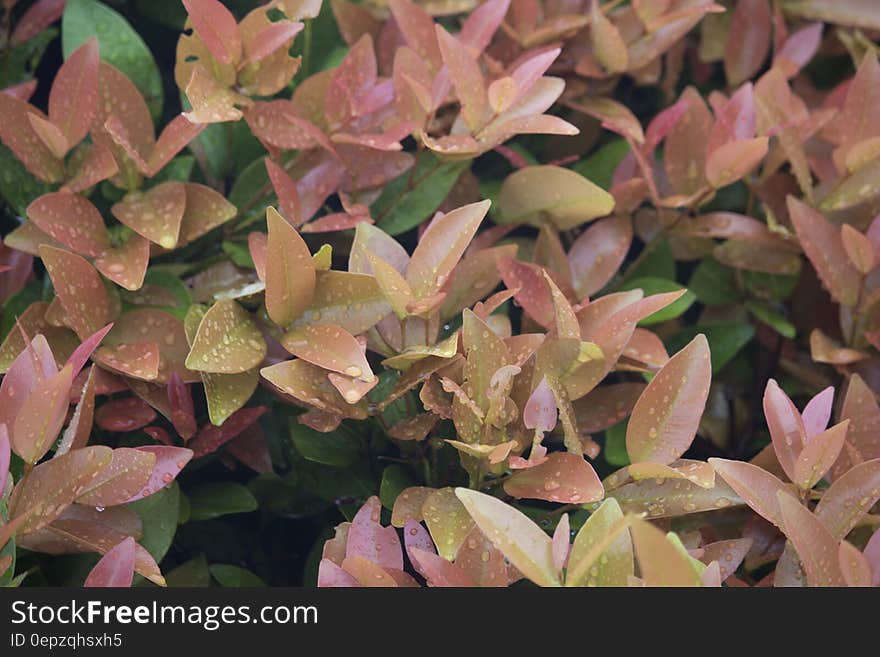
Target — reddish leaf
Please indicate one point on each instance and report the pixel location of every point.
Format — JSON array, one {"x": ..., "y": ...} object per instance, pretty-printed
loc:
[
  {"x": 72, "y": 220},
  {"x": 824, "y": 247},
  {"x": 181, "y": 403},
  {"x": 52, "y": 485},
  {"x": 96, "y": 166},
  {"x": 798, "y": 49},
  {"x": 863, "y": 438},
  {"x": 124, "y": 414},
  {"x": 859, "y": 249},
  {"x": 368, "y": 539},
  {"x": 115, "y": 569},
  {"x": 169, "y": 461},
  {"x": 815, "y": 545},
  {"x": 597, "y": 254},
  {"x": 126, "y": 265},
  {"x": 849, "y": 498},
  {"x": 210, "y": 438},
  {"x": 755, "y": 485},
  {"x": 5, "y": 455},
  {"x": 156, "y": 214},
  {"x": 441, "y": 247},
  {"x": 217, "y": 28},
  {"x": 818, "y": 455},
  {"x": 665, "y": 419},
  {"x": 126, "y": 474},
  {"x": 564, "y": 477},
  {"x": 286, "y": 191},
  {"x": 73, "y": 100},
  {"x": 78, "y": 430},
  {"x": 734, "y": 160},
  {"x": 331, "y": 347},
  {"x": 817, "y": 412},
  {"x": 786, "y": 426},
  {"x": 18, "y": 134},
  {"x": 748, "y": 40},
  {"x": 540, "y": 412},
  {"x": 177, "y": 134},
  {"x": 37, "y": 18},
  {"x": 205, "y": 210},
  {"x": 80, "y": 289},
  {"x": 41, "y": 416},
  {"x": 466, "y": 77}
]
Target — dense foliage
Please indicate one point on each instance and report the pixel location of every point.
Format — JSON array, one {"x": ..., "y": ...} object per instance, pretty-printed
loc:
[{"x": 440, "y": 292}]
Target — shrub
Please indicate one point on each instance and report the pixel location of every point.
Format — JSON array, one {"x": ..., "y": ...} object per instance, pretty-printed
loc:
[{"x": 485, "y": 276}]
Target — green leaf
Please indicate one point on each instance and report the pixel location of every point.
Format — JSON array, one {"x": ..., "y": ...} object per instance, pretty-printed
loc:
[
  {"x": 659, "y": 263},
  {"x": 17, "y": 186},
  {"x": 121, "y": 46},
  {"x": 714, "y": 284},
  {"x": 772, "y": 318},
  {"x": 394, "y": 479},
  {"x": 615, "y": 445},
  {"x": 725, "y": 340},
  {"x": 159, "y": 513},
  {"x": 220, "y": 499},
  {"x": 599, "y": 166},
  {"x": 337, "y": 448},
  {"x": 651, "y": 285},
  {"x": 192, "y": 574},
  {"x": 234, "y": 576},
  {"x": 770, "y": 287},
  {"x": 414, "y": 196},
  {"x": 179, "y": 169}
]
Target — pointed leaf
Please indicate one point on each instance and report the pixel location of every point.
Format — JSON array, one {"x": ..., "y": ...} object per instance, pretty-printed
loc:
[
  {"x": 227, "y": 341},
  {"x": 816, "y": 547},
  {"x": 116, "y": 567},
  {"x": 564, "y": 477},
  {"x": 290, "y": 271}
]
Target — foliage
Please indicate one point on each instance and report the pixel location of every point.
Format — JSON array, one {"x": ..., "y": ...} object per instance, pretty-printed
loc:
[{"x": 575, "y": 294}]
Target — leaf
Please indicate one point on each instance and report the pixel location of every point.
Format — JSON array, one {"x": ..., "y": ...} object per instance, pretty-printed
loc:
[
  {"x": 467, "y": 78},
  {"x": 215, "y": 500},
  {"x": 338, "y": 449},
  {"x": 353, "y": 301},
  {"x": 369, "y": 540},
  {"x": 5, "y": 456},
  {"x": 126, "y": 265},
  {"x": 159, "y": 514},
  {"x": 290, "y": 271},
  {"x": 331, "y": 347},
  {"x": 72, "y": 220},
  {"x": 651, "y": 286},
  {"x": 815, "y": 545},
  {"x": 211, "y": 438},
  {"x": 41, "y": 417},
  {"x": 73, "y": 100},
  {"x": 564, "y": 478},
  {"x": 849, "y": 498},
  {"x": 787, "y": 428},
  {"x": 597, "y": 254},
  {"x": 735, "y": 160},
  {"x": 156, "y": 214},
  {"x": 661, "y": 563},
  {"x": 414, "y": 196},
  {"x": 666, "y": 416},
  {"x": 125, "y": 476},
  {"x": 120, "y": 45},
  {"x": 80, "y": 289},
  {"x": 217, "y": 28},
  {"x": 670, "y": 498},
  {"x": 602, "y": 553},
  {"x": 819, "y": 454},
  {"x": 227, "y": 341},
  {"x": 205, "y": 210},
  {"x": 859, "y": 249},
  {"x": 748, "y": 40},
  {"x": 726, "y": 340},
  {"x": 52, "y": 485},
  {"x": 608, "y": 44},
  {"x": 562, "y": 196},
  {"x": 116, "y": 567},
  {"x": 755, "y": 485},
  {"x": 855, "y": 13},
  {"x": 528, "y": 548},
  {"x": 441, "y": 247},
  {"x": 823, "y": 245},
  {"x": 863, "y": 438},
  {"x": 310, "y": 385},
  {"x": 449, "y": 521},
  {"x": 19, "y": 136}
]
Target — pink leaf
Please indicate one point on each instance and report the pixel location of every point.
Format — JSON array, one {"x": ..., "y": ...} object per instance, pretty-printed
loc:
[
  {"x": 73, "y": 100},
  {"x": 169, "y": 462},
  {"x": 5, "y": 456},
  {"x": 798, "y": 49},
  {"x": 216, "y": 27},
  {"x": 540, "y": 412},
  {"x": 563, "y": 477},
  {"x": 368, "y": 539},
  {"x": 817, "y": 412},
  {"x": 210, "y": 438},
  {"x": 116, "y": 567},
  {"x": 331, "y": 575},
  {"x": 786, "y": 426},
  {"x": 816, "y": 547},
  {"x": 666, "y": 416},
  {"x": 83, "y": 352},
  {"x": 561, "y": 542}
]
